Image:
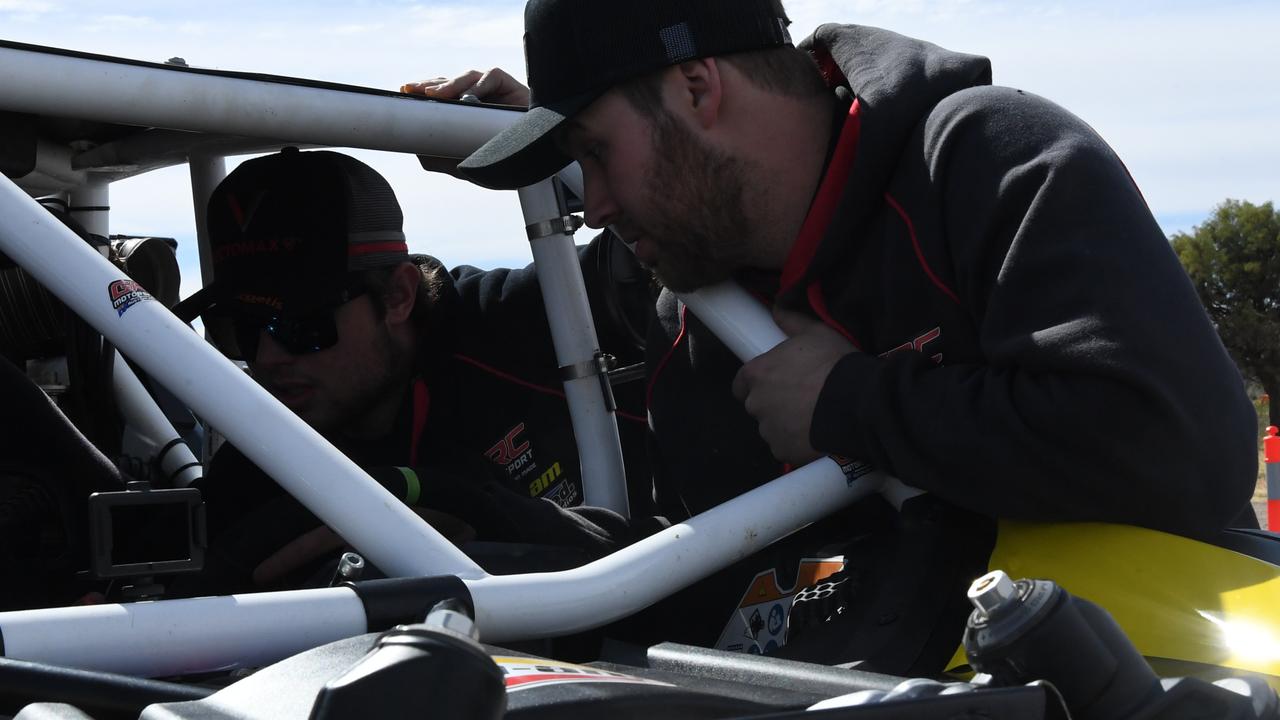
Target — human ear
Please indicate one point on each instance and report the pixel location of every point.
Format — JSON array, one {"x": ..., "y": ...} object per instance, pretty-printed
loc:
[
  {"x": 401, "y": 292},
  {"x": 701, "y": 89}
]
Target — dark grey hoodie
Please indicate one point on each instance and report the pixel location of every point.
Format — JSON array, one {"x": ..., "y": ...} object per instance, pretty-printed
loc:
[
  {"x": 1030, "y": 347},
  {"x": 1064, "y": 367}
]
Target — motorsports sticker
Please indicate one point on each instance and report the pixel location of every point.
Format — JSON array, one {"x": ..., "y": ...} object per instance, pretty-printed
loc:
[
  {"x": 521, "y": 672},
  {"x": 125, "y": 294},
  {"x": 759, "y": 625}
]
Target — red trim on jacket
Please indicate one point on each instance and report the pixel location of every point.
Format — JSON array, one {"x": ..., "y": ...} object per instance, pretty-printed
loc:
[
  {"x": 819, "y": 305},
  {"x": 830, "y": 69},
  {"x": 826, "y": 202},
  {"x": 359, "y": 249},
  {"x": 915, "y": 243},
  {"x": 653, "y": 379},
  {"x": 534, "y": 387}
]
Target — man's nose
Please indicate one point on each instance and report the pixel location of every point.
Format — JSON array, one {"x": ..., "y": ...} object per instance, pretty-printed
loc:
[{"x": 599, "y": 206}]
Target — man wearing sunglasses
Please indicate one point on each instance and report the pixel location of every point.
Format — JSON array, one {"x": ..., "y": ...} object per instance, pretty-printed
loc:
[{"x": 443, "y": 385}]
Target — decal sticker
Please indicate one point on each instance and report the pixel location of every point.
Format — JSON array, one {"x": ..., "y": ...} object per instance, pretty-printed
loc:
[
  {"x": 760, "y": 623},
  {"x": 521, "y": 672},
  {"x": 544, "y": 481},
  {"x": 852, "y": 469},
  {"x": 565, "y": 494},
  {"x": 125, "y": 294},
  {"x": 508, "y": 449},
  {"x": 513, "y": 454}
]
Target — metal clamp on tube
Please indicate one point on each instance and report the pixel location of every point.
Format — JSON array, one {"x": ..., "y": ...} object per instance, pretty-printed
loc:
[
  {"x": 550, "y": 228},
  {"x": 566, "y": 225},
  {"x": 600, "y": 367}
]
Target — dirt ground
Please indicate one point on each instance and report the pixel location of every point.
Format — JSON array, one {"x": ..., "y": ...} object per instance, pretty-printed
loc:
[{"x": 1260, "y": 490}]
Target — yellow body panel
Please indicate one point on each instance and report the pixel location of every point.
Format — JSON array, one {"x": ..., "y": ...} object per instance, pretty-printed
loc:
[{"x": 1175, "y": 598}]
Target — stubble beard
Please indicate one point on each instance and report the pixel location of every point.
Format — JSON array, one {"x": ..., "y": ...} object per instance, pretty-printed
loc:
[
  {"x": 699, "y": 226},
  {"x": 380, "y": 379}
]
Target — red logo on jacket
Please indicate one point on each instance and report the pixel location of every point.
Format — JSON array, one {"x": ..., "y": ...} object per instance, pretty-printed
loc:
[
  {"x": 918, "y": 344},
  {"x": 506, "y": 451}
]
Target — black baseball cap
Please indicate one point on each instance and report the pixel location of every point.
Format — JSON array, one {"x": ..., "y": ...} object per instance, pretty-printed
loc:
[
  {"x": 576, "y": 50},
  {"x": 286, "y": 230}
]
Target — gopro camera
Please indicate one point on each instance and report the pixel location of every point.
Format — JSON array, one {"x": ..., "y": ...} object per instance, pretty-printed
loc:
[{"x": 141, "y": 531}]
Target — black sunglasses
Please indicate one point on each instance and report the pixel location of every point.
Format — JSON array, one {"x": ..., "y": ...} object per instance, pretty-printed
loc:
[{"x": 298, "y": 335}]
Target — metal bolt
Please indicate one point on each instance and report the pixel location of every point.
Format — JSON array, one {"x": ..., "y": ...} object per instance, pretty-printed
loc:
[
  {"x": 989, "y": 592},
  {"x": 445, "y": 617},
  {"x": 350, "y": 568}
]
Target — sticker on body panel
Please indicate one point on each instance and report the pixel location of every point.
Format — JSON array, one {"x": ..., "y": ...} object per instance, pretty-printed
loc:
[
  {"x": 125, "y": 294},
  {"x": 522, "y": 672},
  {"x": 759, "y": 626}
]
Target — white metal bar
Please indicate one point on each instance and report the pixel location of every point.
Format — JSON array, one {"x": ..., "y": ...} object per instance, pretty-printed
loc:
[
  {"x": 739, "y": 320},
  {"x": 142, "y": 412},
  {"x": 90, "y": 206},
  {"x": 574, "y": 335},
  {"x": 519, "y": 607},
  {"x": 206, "y": 172},
  {"x": 747, "y": 328},
  {"x": 323, "y": 479},
  {"x": 89, "y": 89},
  {"x": 175, "y": 637}
]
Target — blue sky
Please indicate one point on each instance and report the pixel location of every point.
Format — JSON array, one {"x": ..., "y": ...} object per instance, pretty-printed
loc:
[{"x": 1185, "y": 91}]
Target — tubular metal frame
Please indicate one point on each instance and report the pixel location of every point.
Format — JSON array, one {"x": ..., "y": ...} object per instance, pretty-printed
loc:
[{"x": 176, "y": 636}]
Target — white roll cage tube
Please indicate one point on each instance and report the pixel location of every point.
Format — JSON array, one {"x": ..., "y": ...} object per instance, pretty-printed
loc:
[
  {"x": 176, "y": 637},
  {"x": 173, "y": 636},
  {"x": 573, "y": 333},
  {"x": 168, "y": 97},
  {"x": 177, "y": 462},
  {"x": 206, "y": 172}
]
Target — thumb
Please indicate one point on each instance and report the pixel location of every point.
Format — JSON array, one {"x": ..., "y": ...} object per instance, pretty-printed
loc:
[{"x": 793, "y": 323}]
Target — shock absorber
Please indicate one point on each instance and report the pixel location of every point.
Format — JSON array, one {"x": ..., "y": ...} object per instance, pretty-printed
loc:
[{"x": 1027, "y": 630}]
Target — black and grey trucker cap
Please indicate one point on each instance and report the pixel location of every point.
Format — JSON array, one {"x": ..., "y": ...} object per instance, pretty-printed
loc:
[{"x": 575, "y": 50}]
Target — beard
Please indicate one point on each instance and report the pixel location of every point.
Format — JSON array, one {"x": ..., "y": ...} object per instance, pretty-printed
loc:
[
  {"x": 349, "y": 386},
  {"x": 386, "y": 373},
  {"x": 698, "y": 225}
]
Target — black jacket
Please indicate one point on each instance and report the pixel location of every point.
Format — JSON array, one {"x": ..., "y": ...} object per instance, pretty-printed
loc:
[
  {"x": 1064, "y": 367},
  {"x": 1030, "y": 347}
]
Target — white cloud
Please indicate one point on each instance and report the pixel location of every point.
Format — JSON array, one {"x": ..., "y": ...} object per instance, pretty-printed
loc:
[
  {"x": 26, "y": 6},
  {"x": 125, "y": 23},
  {"x": 354, "y": 29},
  {"x": 463, "y": 25}
]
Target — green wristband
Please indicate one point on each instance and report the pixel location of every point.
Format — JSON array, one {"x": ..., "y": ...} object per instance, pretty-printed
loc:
[{"x": 413, "y": 488}]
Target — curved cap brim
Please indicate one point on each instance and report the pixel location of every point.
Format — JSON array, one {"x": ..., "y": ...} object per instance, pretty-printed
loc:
[{"x": 526, "y": 152}]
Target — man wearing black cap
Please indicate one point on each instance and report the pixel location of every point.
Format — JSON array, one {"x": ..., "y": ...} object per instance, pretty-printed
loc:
[
  {"x": 442, "y": 384},
  {"x": 978, "y": 299}
]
